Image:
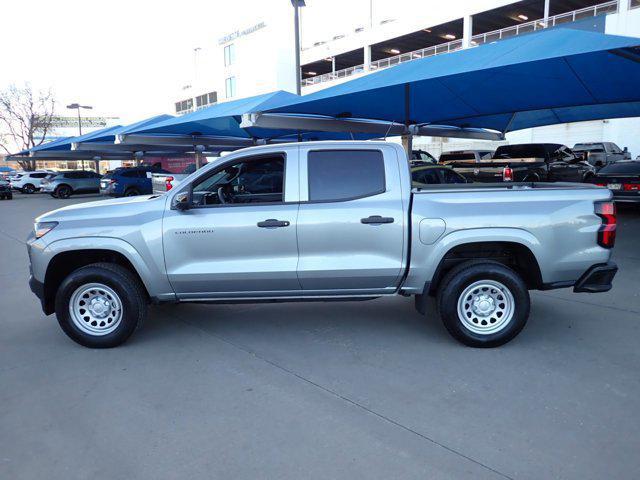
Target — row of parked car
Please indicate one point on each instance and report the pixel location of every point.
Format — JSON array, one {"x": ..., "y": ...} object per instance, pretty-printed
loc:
[
  {"x": 119, "y": 182},
  {"x": 603, "y": 164}
]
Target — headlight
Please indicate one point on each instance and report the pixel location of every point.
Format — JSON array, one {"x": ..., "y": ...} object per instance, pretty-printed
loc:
[{"x": 42, "y": 228}]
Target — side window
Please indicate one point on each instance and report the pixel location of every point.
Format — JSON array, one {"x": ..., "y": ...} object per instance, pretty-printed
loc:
[
  {"x": 129, "y": 174},
  {"x": 250, "y": 181},
  {"x": 345, "y": 174},
  {"x": 38, "y": 175}
]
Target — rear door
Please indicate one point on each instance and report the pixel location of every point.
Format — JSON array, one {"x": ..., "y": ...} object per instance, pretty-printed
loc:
[{"x": 351, "y": 222}]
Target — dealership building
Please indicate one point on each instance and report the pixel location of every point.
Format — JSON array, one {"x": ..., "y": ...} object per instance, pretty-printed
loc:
[{"x": 259, "y": 56}]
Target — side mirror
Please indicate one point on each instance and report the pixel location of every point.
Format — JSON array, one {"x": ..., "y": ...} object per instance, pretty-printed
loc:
[
  {"x": 626, "y": 149},
  {"x": 182, "y": 201}
]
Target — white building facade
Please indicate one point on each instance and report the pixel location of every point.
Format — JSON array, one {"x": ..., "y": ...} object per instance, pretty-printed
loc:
[{"x": 259, "y": 57}]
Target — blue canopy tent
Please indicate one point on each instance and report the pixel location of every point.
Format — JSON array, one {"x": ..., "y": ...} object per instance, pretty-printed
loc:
[
  {"x": 105, "y": 139},
  {"x": 218, "y": 126},
  {"x": 555, "y": 76},
  {"x": 99, "y": 145}
]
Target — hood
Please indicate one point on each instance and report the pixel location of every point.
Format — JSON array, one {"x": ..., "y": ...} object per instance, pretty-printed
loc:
[{"x": 112, "y": 207}]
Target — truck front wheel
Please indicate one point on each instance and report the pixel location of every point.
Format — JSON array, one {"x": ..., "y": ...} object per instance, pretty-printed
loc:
[
  {"x": 483, "y": 303},
  {"x": 100, "y": 305}
]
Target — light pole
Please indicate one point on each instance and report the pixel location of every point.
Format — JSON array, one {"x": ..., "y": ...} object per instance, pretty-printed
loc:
[
  {"x": 296, "y": 21},
  {"x": 77, "y": 106}
]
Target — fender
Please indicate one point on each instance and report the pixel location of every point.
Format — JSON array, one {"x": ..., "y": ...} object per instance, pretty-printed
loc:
[
  {"x": 426, "y": 258},
  {"x": 154, "y": 279}
]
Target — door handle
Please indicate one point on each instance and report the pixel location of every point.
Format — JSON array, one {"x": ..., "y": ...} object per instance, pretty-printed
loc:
[
  {"x": 376, "y": 220},
  {"x": 273, "y": 223}
]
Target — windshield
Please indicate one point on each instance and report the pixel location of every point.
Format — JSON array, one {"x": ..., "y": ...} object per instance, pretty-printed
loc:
[{"x": 588, "y": 147}]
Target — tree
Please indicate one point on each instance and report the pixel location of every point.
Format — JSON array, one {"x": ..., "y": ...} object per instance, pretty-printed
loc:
[{"x": 25, "y": 119}]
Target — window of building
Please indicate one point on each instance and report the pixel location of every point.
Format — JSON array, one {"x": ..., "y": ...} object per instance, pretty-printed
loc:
[
  {"x": 229, "y": 55},
  {"x": 635, "y": 4},
  {"x": 184, "y": 106},
  {"x": 206, "y": 99},
  {"x": 345, "y": 174},
  {"x": 230, "y": 87}
]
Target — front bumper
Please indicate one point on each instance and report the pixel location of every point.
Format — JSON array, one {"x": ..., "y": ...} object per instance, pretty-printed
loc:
[
  {"x": 597, "y": 278},
  {"x": 38, "y": 289}
]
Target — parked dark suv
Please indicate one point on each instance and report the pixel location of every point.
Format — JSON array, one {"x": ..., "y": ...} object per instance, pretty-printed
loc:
[{"x": 128, "y": 182}]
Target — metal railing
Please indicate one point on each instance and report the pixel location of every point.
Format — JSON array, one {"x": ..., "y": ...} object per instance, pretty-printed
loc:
[
  {"x": 535, "y": 25},
  {"x": 581, "y": 14},
  {"x": 385, "y": 62}
]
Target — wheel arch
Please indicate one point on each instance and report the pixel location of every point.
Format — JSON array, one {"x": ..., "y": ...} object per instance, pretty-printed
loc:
[
  {"x": 513, "y": 254},
  {"x": 64, "y": 256}
]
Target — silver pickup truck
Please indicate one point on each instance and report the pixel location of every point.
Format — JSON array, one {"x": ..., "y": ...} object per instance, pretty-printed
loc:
[{"x": 322, "y": 221}]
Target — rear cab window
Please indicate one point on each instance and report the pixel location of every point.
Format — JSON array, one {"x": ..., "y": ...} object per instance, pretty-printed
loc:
[{"x": 341, "y": 175}]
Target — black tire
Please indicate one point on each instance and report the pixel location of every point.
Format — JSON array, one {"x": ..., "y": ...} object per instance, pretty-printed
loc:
[
  {"x": 63, "y": 191},
  {"x": 28, "y": 189},
  {"x": 463, "y": 276},
  {"x": 131, "y": 192},
  {"x": 10, "y": 196},
  {"x": 128, "y": 288}
]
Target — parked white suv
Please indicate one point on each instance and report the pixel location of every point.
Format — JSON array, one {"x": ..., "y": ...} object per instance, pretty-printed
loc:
[{"x": 29, "y": 182}]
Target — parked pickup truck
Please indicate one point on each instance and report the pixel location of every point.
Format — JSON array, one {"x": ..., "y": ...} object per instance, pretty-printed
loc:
[
  {"x": 600, "y": 154},
  {"x": 533, "y": 162},
  {"x": 322, "y": 221},
  {"x": 162, "y": 182}
]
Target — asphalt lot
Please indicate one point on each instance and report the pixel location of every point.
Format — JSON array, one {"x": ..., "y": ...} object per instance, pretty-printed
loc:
[{"x": 339, "y": 390}]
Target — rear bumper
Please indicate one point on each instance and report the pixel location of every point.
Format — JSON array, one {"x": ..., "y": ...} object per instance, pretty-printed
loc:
[{"x": 597, "y": 278}]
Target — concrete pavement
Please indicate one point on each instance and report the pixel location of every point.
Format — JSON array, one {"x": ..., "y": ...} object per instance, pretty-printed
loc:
[{"x": 337, "y": 390}]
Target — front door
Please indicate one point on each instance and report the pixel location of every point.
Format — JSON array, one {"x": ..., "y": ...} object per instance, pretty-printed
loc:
[
  {"x": 239, "y": 237},
  {"x": 351, "y": 223}
]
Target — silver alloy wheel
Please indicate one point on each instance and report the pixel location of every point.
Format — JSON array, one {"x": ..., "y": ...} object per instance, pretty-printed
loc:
[
  {"x": 95, "y": 309},
  {"x": 486, "y": 307}
]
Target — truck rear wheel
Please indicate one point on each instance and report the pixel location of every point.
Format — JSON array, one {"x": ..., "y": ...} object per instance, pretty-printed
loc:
[
  {"x": 483, "y": 303},
  {"x": 100, "y": 305}
]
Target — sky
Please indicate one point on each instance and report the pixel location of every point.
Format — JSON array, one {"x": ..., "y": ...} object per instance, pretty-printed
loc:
[{"x": 127, "y": 58}]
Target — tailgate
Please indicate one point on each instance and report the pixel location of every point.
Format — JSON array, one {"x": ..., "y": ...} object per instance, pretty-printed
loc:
[{"x": 159, "y": 183}]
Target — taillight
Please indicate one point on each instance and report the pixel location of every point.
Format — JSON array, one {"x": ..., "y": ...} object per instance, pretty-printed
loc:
[
  {"x": 113, "y": 180},
  {"x": 600, "y": 184},
  {"x": 507, "y": 174},
  {"x": 167, "y": 183},
  {"x": 607, "y": 231},
  {"x": 631, "y": 187}
]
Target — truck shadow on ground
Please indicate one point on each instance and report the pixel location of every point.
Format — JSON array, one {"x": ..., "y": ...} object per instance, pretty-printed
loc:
[{"x": 333, "y": 322}]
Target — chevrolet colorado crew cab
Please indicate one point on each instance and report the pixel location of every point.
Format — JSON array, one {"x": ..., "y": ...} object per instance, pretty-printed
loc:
[{"x": 322, "y": 221}]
